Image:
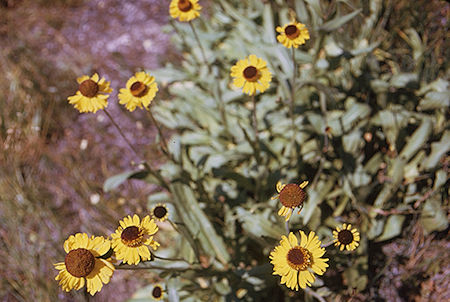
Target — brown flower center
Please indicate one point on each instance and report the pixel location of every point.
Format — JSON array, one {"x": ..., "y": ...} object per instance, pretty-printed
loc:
[
  {"x": 79, "y": 262},
  {"x": 184, "y": 5},
  {"x": 299, "y": 258},
  {"x": 160, "y": 212},
  {"x": 131, "y": 236},
  {"x": 292, "y": 196},
  {"x": 345, "y": 237},
  {"x": 138, "y": 89},
  {"x": 157, "y": 292},
  {"x": 251, "y": 73},
  {"x": 88, "y": 88},
  {"x": 291, "y": 31}
]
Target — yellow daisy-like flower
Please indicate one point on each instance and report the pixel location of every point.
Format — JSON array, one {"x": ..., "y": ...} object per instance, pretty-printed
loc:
[
  {"x": 346, "y": 237},
  {"x": 293, "y": 34},
  {"x": 131, "y": 240},
  {"x": 82, "y": 264},
  {"x": 139, "y": 92},
  {"x": 157, "y": 292},
  {"x": 160, "y": 212},
  {"x": 291, "y": 196},
  {"x": 184, "y": 10},
  {"x": 92, "y": 94},
  {"x": 296, "y": 263},
  {"x": 252, "y": 74}
]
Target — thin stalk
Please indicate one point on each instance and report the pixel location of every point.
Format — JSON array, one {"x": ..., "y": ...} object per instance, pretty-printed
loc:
[
  {"x": 255, "y": 128},
  {"x": 162, "y": 141},
  {"x": 327, "y": 244},
  {"x": 255, "y": 120},
  {"x": 286, "y": 224},
  {"x": 146, "y": 164},
  {"x": 323, "y": 109},
  {"x": 292, "y": 103},
  {"x": 200, "y": 45},
  {"x": 196, "y": 268},
  {"x": 121, "y": 133},
  {"x": 314, "y": 294},
  {"x": 169, "y": 259},
  {"x": 221, "y": 104},
  {"x": 191, "y": 240},
  {"x": 153, "y": 267}
]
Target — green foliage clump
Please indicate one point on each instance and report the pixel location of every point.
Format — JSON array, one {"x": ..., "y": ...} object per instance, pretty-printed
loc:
[{"x": 371, "y": 138}]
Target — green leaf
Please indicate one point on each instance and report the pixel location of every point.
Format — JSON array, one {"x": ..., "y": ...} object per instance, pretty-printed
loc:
[
  {"x": 434, "y": 100},
  {"x": 114, "y": 181},
  {"x": 438, "y": 149},
  {"x": 433, "y": 216},
  {"x": 269, "y": 27},
  {"x": 392, "y": 228},
  {"x": 198, "y": 223},
  {"x": 403, "y": 80},
  {"x": 339, "y": 21},
  {"x": 417, "y": 140},
  {"x": 172, "y": 290},
  {"x": 157, "y": 197},
  {"x": 258, "y": 224}
]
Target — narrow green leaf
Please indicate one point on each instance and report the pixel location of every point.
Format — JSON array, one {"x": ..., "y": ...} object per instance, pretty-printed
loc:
[
  {"x": 433, "y": 217},
  {"x": 392, "y": 228},
  {"x": 339, "y": 21},
  {"x": 417, "y": 140},
  {"x": 114, "y": 181},
  {"x": 438, "y": 149}
]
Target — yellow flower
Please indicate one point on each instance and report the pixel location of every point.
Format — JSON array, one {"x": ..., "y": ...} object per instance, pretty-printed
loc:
[
  {"x": 184, "y": 10},
  {"x": 82, "y": 264},
  {"x": 293, "y": 34},
  {"x": 131, "y": 240},
  {"x": 296, "y": 263},
  {"x": 346, "y": 238},
  {"x": 139, "y": 92},
  {"x": 160, "y": 212},
  {"x": 92, "y": 94},
  {"x": 291, "y": 196},
  {"x": 157, "y": 292},
  {"x": 252, "y": 74}
]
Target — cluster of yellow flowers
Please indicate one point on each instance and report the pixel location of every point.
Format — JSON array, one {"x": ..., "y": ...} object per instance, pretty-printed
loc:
[
  {"x": 93, "y": 92},
  {"x": 251, "y": 74},
  {"x": 91, "y": 260},
  {"x": 294, "y": 262}
]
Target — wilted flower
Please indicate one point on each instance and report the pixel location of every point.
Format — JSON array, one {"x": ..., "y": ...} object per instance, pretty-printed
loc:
[{"x": 290, "y": 196}]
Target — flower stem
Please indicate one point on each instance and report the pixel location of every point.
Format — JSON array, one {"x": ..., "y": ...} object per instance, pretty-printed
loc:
[
  {"x": 255, "y": 128},
  {"x": 162, "y": 141},
  {"x": 292, "y": 103},
  {"x": 200, "y": 45},
  {"x": 189, "y": 238},
  {"x": 314, "y": 294},
  {"x": 146, "y": 164},
  {"x": 286, "y": 224},
  {"x": 327, "y": 244},
  {"x": 121, "y": 133},
  {"x": 169, "y": 259}
]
